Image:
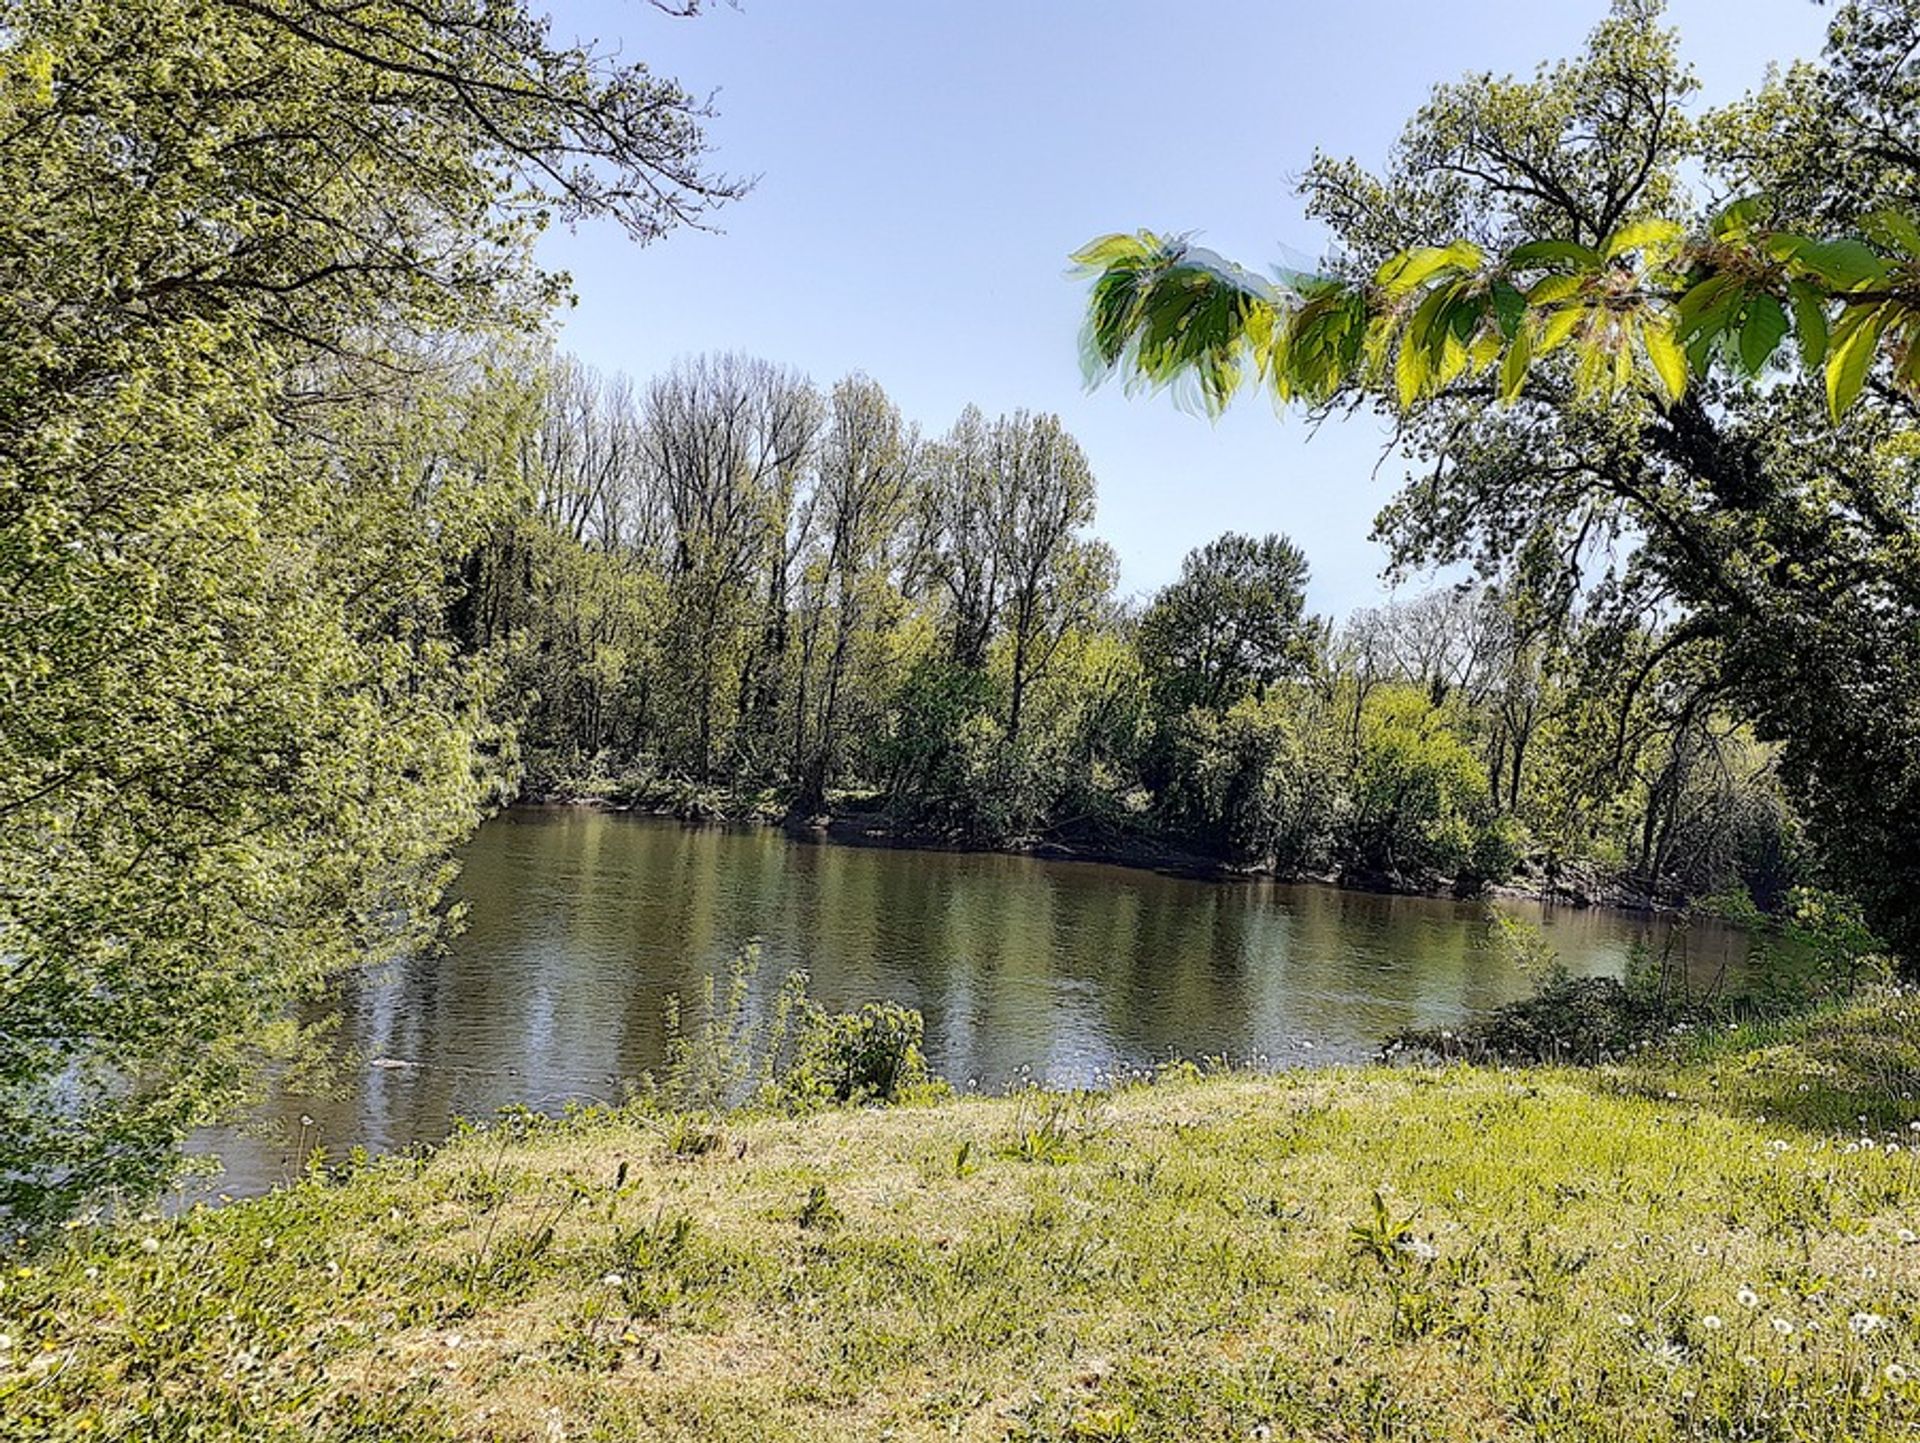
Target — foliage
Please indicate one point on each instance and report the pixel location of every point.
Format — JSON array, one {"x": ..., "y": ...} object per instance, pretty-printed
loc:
[
  {"x": 1818, "y": 953},
  {"x": 798, "y": 1055},
  {"x": 868, "y": 1056},
  {"x": 1625, "y": 398},
  {"x": 266, "y": 268},
  {"x": 1233, "y": 624}
]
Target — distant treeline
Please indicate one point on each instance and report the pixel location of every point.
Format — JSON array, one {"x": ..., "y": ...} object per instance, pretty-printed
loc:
[{"x": 731, "y": 583}]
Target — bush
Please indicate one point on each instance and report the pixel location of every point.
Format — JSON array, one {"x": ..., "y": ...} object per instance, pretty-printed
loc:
[
  {"x": 800, "y": 1056},
  {"x": 872, "y": 1055}
]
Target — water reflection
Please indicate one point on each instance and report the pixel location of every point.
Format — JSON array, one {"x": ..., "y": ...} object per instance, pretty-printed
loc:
[{"x": 582, "y": 923}]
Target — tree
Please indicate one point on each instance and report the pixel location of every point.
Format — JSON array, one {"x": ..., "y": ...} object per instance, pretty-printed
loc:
[
  {"x": 1053, "y": 579},
  {"x": 865, "y": 462},
  {"x": 258, "y": 257},
  {"x": 1232, "y": 625},
  {"x": 726, "y": 440},
  {"x": 1581, "y": 372}
]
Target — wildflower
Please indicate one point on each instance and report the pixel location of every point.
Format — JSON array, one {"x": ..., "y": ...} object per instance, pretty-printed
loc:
[
  {"x": 1894, "y": 1373},
  {"x": 1747, "y": 1298},
  {"x": 1866, "y": 1324},
  {"x": 305, "y": 1121},
  {"x": 613, "y": 1280},
  {"x": 6, "y": 1342},
  {"x": 454, "y": 1340},
  {"x": 1782, "y": 1327},
  {"x": 1419, "y": 1248},
  {"x": 149, "y": 1245},
  {"x": 1712, "y": 1323},
  {"x": 1908, "y": 1236},
  {"x": 1626, "y": 1320}
]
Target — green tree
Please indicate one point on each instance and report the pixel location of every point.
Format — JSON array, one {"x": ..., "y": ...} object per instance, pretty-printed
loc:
[
  {"x": 1588, "y": 366},
  {"x": 255, "y": 256},
  {"x": 1232, "y": 625}
]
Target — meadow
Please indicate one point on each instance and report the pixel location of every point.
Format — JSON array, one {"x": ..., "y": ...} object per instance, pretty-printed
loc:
[{"x": 1715, "y": 1242}]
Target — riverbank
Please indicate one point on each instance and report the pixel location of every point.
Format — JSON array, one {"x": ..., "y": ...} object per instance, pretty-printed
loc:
[
  {"x": 868, "y": 826},
  {"x": 1716, "y": 1244}
]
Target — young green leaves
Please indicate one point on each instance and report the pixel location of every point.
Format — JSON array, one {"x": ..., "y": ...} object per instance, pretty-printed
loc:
[{"x": 1648, "y": 309}]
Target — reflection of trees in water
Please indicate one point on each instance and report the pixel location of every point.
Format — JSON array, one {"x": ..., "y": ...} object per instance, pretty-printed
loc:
[{"x": 580, "y": 924}]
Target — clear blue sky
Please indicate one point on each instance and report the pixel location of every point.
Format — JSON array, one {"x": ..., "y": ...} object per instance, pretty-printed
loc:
[{"x": 925, "y": 169}]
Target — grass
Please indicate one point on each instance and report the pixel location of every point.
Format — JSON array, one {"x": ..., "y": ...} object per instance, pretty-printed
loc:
[{"x": 1719, "y": 1244}]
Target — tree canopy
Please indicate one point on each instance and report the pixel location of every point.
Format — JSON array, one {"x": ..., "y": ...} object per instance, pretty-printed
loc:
[
  {"x": 1617, "y": 385},
  {"x": 259, "y": 263}
]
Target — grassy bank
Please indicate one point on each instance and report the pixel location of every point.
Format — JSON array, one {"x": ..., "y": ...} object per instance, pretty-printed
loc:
[{"x": 1719, "y": 1245}]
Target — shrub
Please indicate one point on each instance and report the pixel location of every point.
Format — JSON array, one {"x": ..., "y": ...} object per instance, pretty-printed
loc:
[{"x": 871, "y": 1055}]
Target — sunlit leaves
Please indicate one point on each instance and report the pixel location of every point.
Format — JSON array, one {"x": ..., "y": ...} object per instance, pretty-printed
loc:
[{"x": 1645, "y": 312}]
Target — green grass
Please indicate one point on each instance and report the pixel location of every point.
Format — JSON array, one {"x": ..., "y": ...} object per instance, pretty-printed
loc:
[{"x": 1715, "y": 1245}]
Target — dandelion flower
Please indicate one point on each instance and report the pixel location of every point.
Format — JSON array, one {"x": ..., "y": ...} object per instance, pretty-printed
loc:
[
  {"x": 1782, "y": 1327},
  {"x": 1626, "y": 1320},
  {"x": 149, "y": 1245},
  {"x": 1866, "y": 1324},
  {"x": 613, "y": 1280},
  {"x": 1747, "y": 1298},
  {"x": 1712, "y": 1323},
  {"x": 1894, "y": 1373}
]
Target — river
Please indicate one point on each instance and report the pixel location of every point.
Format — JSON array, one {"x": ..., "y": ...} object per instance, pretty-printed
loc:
[{"x": 581, "y": 923}]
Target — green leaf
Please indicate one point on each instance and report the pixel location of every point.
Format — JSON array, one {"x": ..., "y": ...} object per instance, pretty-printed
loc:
[
  {"x": 1809, "y": 323},
  {"x": 1412, "y": 269},
  {"x": 1514, "y": 365},
  {"x": 1845, "y": 265},
  {"x": 1668, "y": 359},
  {"x": 1510, "y": 306},
  {"x": 1761, "y": 332},
  {"x": 1893, "y": 229},
  {"x": 1557, "y": 327},
  {"x": 1550, "y": 289},
  {"x": 1651, "y": 235},
  {"x": 1533, "y": 254},
  {"x": 1411, "y": 370},
  {"x": 1739, "y": 218},
  {"x": 1706, "y": 307},
  {"x": 1851, "y": 355},
  {"x": 1111, "y": 250}
]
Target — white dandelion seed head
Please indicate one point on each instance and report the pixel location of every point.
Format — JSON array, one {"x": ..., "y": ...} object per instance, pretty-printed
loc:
[
  {"x": 1782, "y": 1327},
  {"x": 1894, "y": 1373},
  {"x": 1711, "y": 1322},
  {"x": 1865, "y": 1324},
  {"x": 149, "y": 1245},
  {"x": 1747, "y": 1298}
]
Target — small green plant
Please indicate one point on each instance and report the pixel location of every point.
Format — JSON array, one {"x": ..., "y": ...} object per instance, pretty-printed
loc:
[
  {"x": 817, "y": 1211},
  {"x": 872, "y": 1055}
]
